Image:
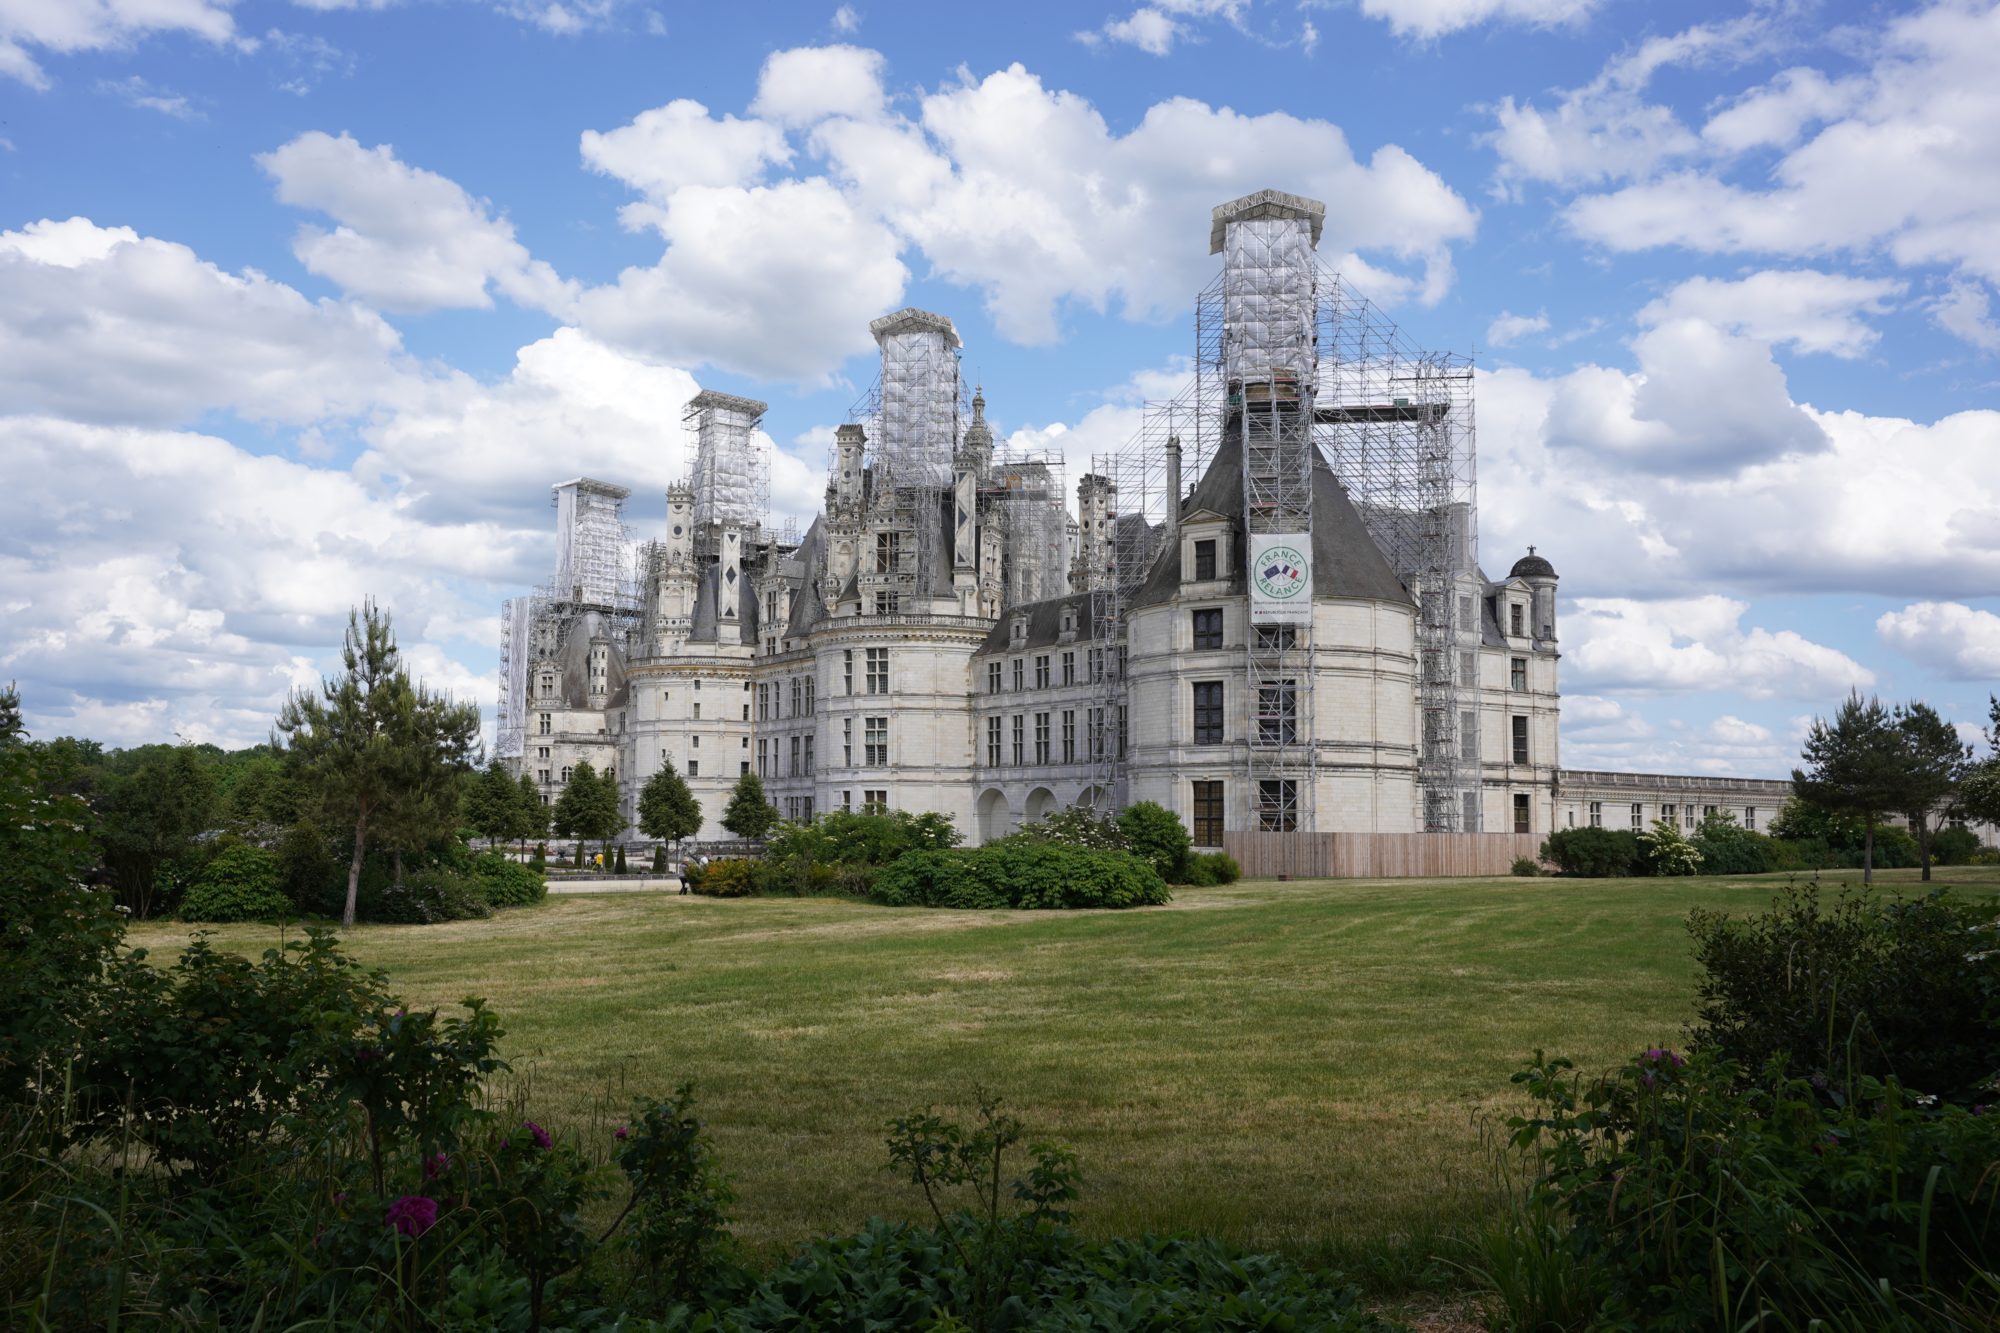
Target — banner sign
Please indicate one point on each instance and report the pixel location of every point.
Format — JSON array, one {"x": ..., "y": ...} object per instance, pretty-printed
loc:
[{"x": 1280, "y": 578}]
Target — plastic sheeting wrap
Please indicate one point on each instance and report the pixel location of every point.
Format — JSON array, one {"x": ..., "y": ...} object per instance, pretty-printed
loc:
[
  {"x": 919, "y": 430},
  {"x": 1037, "y": 532},
  {"x": 728, "y": 466},
  {"x": 591, "y": 555},
  {"x": 1267, "y": 298}
]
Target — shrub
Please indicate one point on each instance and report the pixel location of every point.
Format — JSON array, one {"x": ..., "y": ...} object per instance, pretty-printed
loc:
[
  {"x": 1156, "y": 833},
  {"x": 1727, "y": 848},
  {"x": 1697, "y": 1195},
  {"x": 659, "y": 860},
  {"x": 620, "y": 868},
  {"x": 1020, "y": 875},
  {"x": 1593, "y": 853},
  {"x": 1664, "y": 850},
  {"x": 1205, "y": 869},
  {"x": 1074, "y": 826},
  {"x": 1869, "y": 987},
  {"x": 504, "y": 882},
  {"x": 731, "y": 877},
  {"x": 426, "y": 895},
  {"x": 1526, "y": 867},
  {"x": 1954, "y": 845},
  {"x": 240, "y": 884}
]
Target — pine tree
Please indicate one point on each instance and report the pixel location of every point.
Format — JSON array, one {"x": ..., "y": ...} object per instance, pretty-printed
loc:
[
  {"x": 529, "y": 817},
  {"x": 749, "y": 815},
  {"x": 371, "y": 746},
  {"x": 572, "y": 810},
  {"x": 1855, "y": 765},
  {"x": 11, "y": 729},
  {"x": 621, "y": 858},
  {"x": 1935, "y": 763},
  {"x": 667, "y": 809}
]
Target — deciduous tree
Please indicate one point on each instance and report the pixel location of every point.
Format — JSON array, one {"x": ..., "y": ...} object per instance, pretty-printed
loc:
[
  {"x": 749, "y": 814},
  {"x": 1935, "y": 762},
  {"x": 667, "y": 809},
  {"x": 1857, "y": 765}
]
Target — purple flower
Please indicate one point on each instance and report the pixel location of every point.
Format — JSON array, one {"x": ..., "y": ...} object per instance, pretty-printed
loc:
[
  {"x": 436, "y": 1166},
  {"x": 1980, "y": 1108},
  {"x": 340, "y": 1198},
  {"x": 541, "y": 1136},
  {"x": 624, "y": 1132},
  {"x": 413, "y": 1215}
]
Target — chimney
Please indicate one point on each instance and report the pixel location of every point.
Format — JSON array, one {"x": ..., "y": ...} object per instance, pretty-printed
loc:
[{"x": 1173, "y": 487}]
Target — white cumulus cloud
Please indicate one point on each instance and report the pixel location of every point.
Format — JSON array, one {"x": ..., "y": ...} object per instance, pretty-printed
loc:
[{"x": 1951, "y": 637}]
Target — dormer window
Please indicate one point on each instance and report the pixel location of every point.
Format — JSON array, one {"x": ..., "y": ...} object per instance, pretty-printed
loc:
[
  {"x": 1204, "y": 559},
  {"x": 1515, "y": 616},
  {"x": 1018, "y": 630}
]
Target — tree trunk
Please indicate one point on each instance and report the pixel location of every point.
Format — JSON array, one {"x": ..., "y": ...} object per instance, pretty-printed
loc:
[
  {"x": 1868, "y": 853},
  {"x": 1923, "y": 823},
  {"x": 354, "y": 869}
]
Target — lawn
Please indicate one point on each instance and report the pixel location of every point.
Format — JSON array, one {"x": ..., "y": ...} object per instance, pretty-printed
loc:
[{"x": 1299, "y": 1066}]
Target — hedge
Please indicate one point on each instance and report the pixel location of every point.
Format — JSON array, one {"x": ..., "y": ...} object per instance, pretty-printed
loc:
[{"x": 1031, "y": 875}]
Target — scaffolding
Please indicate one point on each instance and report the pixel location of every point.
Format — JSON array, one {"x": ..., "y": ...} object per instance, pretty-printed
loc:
[
  {"x": 913, "y": 415},
  {"x": 1024, "y": 495},
  {"x": 732, "y": 474},
  {"x": 1294, "y": 367}
]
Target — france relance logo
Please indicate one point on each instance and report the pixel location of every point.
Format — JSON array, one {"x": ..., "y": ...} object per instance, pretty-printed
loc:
[{"x": 1281, "y": 572}]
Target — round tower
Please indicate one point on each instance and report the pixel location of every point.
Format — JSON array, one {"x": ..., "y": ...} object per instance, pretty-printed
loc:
[{"x": 1540, "y": 576}]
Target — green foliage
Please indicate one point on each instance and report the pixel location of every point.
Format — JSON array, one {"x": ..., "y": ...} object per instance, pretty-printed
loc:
[
  {"x": 258, "y": 791},
  {"x": 490, "y": 804},
  {"x": 58, "y": 935},
  {"x": 242, "y": 883},
  {"x": 308, "y": 870},
  {"x": 1665, "y": 850},
  {"x": 1866, "y": 988},
  {"x": 1525, "y": 867},
  {"x": 1954, "y": 845},
  {"x": 427, "y": 895},
  {"x": 151, "y": 805},
  {"x": 730, "y": 877},
  {"x": 680, "y": 1225},
  {"x": 1593, "y": 853},
  {"x": 1694, "y": 1194},
  {"x": 531, "y": 816},
  {"x": 504, "y": 882},
  {"x": 659, "y": 860},
  {"x": 620, "y": 864},
  {"x": 588, "y": 806},
  {"x": 667, "y": 808},
  {"x": 1156, "y": 834},
  {"x": 1727, "y": 848},
  {"x": 749, "y": 813},
  {"x": 1020, "y": 876},
  {"x": 839, "y": 851},
  {"x": 372, "y": 748},
  {"x": 1205, "y": 869},
  {"x": 1074, "y": 826}
]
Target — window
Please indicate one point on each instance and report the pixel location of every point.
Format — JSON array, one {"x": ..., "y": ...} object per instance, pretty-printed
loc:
[
  {"x": 809, "y": 754},
  {"x": 847, "y": 741},
  {"x": 743, "y": 768},
  {"x": 1521, "y": 812},
  {"x": 1208, "y": 814},
  {"x": 697, "y": 685},
  {"x": 694, "y": 768},
  {"x": 1520, "y": 739},
  {"x": 1278, "y": 805},
  {"x": 1020, "y": 738},
  {"x": 1278, "y": 713},
  {"x": 1068, "y": 734},
  {"x": 1467, "y": 614},
  {"x": 812, "y": 684},
  {"x": 1517, "y": 673},
  {"x": 746, "y": 712},
  {"x": 565, "y": 773},
  {"x": 1094, "y": 725},
  {"x": 993, "y": 742},
  {"x": 1687, "y": 816},
  {"x": 695, "y": 742},
  {"x": 1208, "y": 628},
  {"x": 888, "y": 603},
  {"x": 1041, "y": 738},
  {"x": 1707, "y": 811},
  {"x": 1468, "y": 735},
  {"x": 888, "y": 551},
  {"x": 875, "y": 801},
  {"x": 543, "y": 753},
  {"x": 1749, "y": 816},
  {"x": 697, "y": 712},
  {"x": 847, "y": 670},
  {"x": 1069, "y": 668},
  {"x": 547, "y": 726},
  {"x": 1208, "y": 712},
  {"x": 1096, "y": 666},
  {"x": 798, "y": 695},
  {"x": 875, "y": 740},
  {"x": 793, "y": 771},
  {"x": 1638, "y": 817},
  {"x": 847, "y": 800},
  {"x": 1468, "y": 669},
  {"x": 1020, "y": 673},
  {"x": 548, "y": 686},
  {"x": 763, "y": 703},
  {"x": 1204, "y": 559},
  {"x": 1277, "y": 638},
  {"x": 1514, "y": 618},
  {"x": 1667, "y": 813},
  {"x": 1042, "y": 672},
  {"x": 1121, "y": 731},
  {"x": 993, "y": 678},
  {"x": 746, "y": 744},
  {"x": 542, "y": 775},
  {"x": 1597, "y": 814},
  {"x": 1469, "y": 821}
]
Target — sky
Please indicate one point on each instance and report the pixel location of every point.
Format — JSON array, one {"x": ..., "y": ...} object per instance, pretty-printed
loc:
[{"x": 306, "y": 301}]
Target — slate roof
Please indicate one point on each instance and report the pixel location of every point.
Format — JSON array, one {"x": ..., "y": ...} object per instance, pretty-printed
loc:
[
  {"x": 1346, "y": 561},
  {"x": 1044, "y": 624}
]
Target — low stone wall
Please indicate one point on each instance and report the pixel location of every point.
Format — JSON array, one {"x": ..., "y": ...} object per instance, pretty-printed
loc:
[{"x": 1377, "y": 855}]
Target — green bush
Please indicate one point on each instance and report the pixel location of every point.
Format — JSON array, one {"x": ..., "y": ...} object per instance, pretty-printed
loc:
[
  {"x": 240, "y": 884},
  {"x": 427, "y": 895},
  {"x": 1727, "y": 848},
  {"x": 1525, "y": 867},
  {"x": 1872, "y": 986},
  {"x": 1593, "y": 853},
  {"x": 1696, "y": 1194},
  {"x": 1156, "y": 834},
  {"x": 505, "y": 882},
  {"x": 1954, "y": 845},
  {"x": 1074, "y": 826},
  {"x": 1205, "y": 869},
  {"x": 1017, "y": 875},
  {"x": 731, "y": 877}
]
